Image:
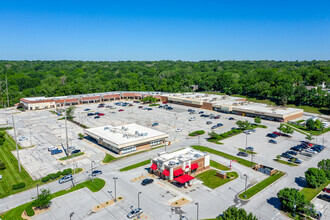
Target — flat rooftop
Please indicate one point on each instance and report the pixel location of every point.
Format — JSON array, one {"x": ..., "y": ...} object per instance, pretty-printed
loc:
[
  {"x": 126, "y": 135},
  {"x": 178, "y": 157}
]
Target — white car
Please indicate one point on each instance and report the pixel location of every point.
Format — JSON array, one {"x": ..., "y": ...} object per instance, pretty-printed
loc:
[
  {"x": 247, "y": 132},
  {"x": 0, "y": 177},
  {"x": 135, "y": 213},
  {"x": 22, "y": 138},
  {"x": 52, "y": 148},
  {"x": 192, "y": 119},
  {"x": 311, "y": 151},
  {"x": 178, "y": 130}
]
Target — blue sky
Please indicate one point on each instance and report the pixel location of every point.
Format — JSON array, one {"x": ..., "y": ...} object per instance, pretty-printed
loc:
[{"x": 164, "y": 30}]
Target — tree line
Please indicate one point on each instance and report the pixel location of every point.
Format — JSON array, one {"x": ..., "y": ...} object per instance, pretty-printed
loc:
[{"x": 283, "y": 82}]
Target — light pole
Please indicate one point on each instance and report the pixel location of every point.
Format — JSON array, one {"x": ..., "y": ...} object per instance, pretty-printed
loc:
[
  {"x": 115, "y": 178},
  {"x": 139, "y": 199},
  {"x": 92, "y": 169},
  {"x": 246, "y": 140},
  {"x": 19, "y": 162},
  {"x": 38, "y": 190},
  {"x": 245, "y": 184},
  {"x": 110, "y": 192},
  {"x": 197, "y": 204}
]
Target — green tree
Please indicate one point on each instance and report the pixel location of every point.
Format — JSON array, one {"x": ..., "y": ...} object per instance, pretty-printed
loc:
[
  {"x": 234, "y": 213},
  {"x": 43, "y": 200},
  {"x": 213, "y": 135},
  {"x": 149, "y": 99},
  {"x": 315, "y": 177},
  {"x": 325, "y": 166},
  {"x": 244, "y": 125},
  {"x": 309, "y": 137},
  {"x": 257, "y": 120},
  {"x": 286, "y": 129},
  {"x": 70, "y": 111},
  {"x": 290, "y": 197},
  {"x": 310, "y": 124}
]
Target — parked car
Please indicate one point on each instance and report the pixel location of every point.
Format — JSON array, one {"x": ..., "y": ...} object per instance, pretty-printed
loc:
[
  {"x": 295, "y": 160},
  {"x": 135, "y": 213},
  {"x": 296, "y": 148},
  {"x": 22, "y": 138},
  {"x": 277, "y": 133},
  {"x": 75, "y": 151},
  {"x": 52, "y": 148},
  {"x": 324, "y": 197},
  {"x": 249, "y": 148},
  {"x": 308, "y": 143},
  {"x": 209, "y": 122},
  {"x": 65, "y": 179},
  {"x": 56, "y": 151},
  {"x": 247, "y": 132},
  {"x": 178, "y": 130},
  {"x": 214, "y": 127},
  {"x": 243, "y": 154},
  {"x": 147, "y": 182},
  {"x": 285, "y": 155},
  {"x": 96, "y": 172},
  {"x": 160, "y": 106},
  {"x": 231, "y": 118},
  {"x": 253, "y": 130},
  {"x": 291, "y": 152},
  {"x": 140, "y": 106},
  {"x": 130, "y": 105},
  {"x": 112, "y": 107},
  {"x": 272, "y": 141},
  {"x": 192, "y": 119},
  {"x": 90, "y": 114},
  {"x": 100, "y": 114},
  {"x": 219, "y": 124},
  {"x": 154, "y": 124},
  {"x": 311, "y": 151},
  {"x": 326, "y": 190},
  {"x": 169, "y": 108},
  {"x": 71, "y": 148},
  {"x": 271, "y": 135},
  {"x": 121, "y": 110},
  {"x": 201, "y": 112},
  {"x": 97, "y": 116},
  {"x": 87, "y": 109}
]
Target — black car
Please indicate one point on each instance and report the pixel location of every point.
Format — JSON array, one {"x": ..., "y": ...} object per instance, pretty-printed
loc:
[
  {"x": 219, "y": 125},
  {"x": 75, "y": 151},
  {"x": 272, "y": 135},
  {"x": 296, "y": 148},
  {"x": 243, "y": 154},
  {"x": 209, "y": 122},
  {"x": 295, "y": 160},
  {"x": 90, "y": 114},
  {"x": 147, "y": 182},
  {"x": 291, "y": 152},
  {"x": 324, "y": 197},
  {"x": 97, "y": 116},
  {"x": 285, "y": 155},
  {"x": 231, "y": 118}
]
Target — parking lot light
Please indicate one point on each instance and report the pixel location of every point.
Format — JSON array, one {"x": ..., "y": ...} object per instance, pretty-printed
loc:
[
  {"x": 115, "y": 178},
  {"x": 71, "y": 214},
  {"x": 139, "y": 199},
  {"x": 245, "y": 184},
  {"x": 197, "y": 204}
]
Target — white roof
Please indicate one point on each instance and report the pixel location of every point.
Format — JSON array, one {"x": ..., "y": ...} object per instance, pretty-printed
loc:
[{"x": 126, "y": 135}]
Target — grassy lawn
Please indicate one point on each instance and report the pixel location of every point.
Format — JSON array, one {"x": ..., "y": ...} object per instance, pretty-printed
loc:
[
  {"x": 286, "y": 162},
  {"x": 222, "y": 154},
  {"x": 249, "y": 152},
  {"x": 210, "y": 179},
  {"x": 218, "y": 166},
  {"x": 16, "y": 213},
  {"x": 108, "y": 158},
  {"x": 310, "y": 131},
  {"x": 310, "y": 193},
  {"x": 143, "y": 163},
  {"x": 261, "y": 185},
  {"x": 72, "y": 155}
]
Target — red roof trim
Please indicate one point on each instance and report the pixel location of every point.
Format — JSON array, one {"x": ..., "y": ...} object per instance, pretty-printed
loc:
[
  {"x": 178, "y": 172},
  {"x": 166, "y": 172},
  {"x": 194, "y": 166},
  {"x": 153, "y": 166},
  {"x": 183, "y": 179}
]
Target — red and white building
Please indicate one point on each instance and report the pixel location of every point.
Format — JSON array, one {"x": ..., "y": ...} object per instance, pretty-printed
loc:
[{"x": 180, "y": 166}]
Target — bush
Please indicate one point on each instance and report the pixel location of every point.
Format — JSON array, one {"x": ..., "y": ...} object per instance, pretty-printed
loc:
[
  {"x": 45, "y": 179},
  {"x": 29, "y": 210},
  {"x": 257, "y": 120},
  {"x": 315, "y": 177},
  {"x": 2, "y": 165},
  {"x": 18, "y": 186},
  {"x": 81, "y": 136},
  {"x": 66, "y": 171},
  {"x": 196, "y": 133},
  {"x": 55, "y": 175}
]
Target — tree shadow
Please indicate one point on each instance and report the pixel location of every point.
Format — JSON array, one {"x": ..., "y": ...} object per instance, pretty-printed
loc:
[
  {"x": 301, "y": 181},
  {"x": 274, "y": 201}
]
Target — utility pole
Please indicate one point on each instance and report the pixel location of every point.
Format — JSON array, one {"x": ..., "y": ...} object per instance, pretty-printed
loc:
[
  {"x": 7, "y": 92},
  {"x": 19, "y": 162},
  {"x": 115, "y": 178}
]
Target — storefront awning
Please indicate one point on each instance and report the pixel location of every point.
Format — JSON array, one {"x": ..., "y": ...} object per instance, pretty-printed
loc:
[
  {"x": 166, "y": 172},
  {"x": 183, "y": 179},
  {"x": 194, "y": 166},
  {"x": 178, "y": 172},
  {"x": 153, "y": 166}
]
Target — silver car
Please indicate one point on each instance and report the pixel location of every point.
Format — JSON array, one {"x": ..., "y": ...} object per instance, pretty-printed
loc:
[{"x": 135, "y": 213}]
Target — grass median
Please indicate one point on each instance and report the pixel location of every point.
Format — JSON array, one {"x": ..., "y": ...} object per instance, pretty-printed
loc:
[
  {"x": 310, "y": 193},
  {"x": 143, "y": 163},
  {"x": 261, "y": 185},
  {"x": 72, "y": 155},
  {"x": 16, "y": 213},
  {"x": 222, "y": 154},
  {"x": 286, "y": 162},
  {"x": 247, "y": 151},
  {"x": 211, "y": 180},
  {"x": 218, "y": 166}
]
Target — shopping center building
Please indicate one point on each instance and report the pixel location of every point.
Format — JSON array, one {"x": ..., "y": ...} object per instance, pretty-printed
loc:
[
  {"x": 180, "y": 166},
  {"x": 127, "y": 138}
]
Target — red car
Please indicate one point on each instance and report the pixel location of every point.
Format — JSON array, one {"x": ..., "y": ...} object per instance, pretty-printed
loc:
[
  {"x": 277, "y": 133},
  {"x": 326, "y": 190},
  {"x": 130, "y": 105},
  {"x": 140, "y": 106},
  {"x": 100, "y": 114},
  {"x": 121, "y": 110},
  {"x": 164, "y": 102}
]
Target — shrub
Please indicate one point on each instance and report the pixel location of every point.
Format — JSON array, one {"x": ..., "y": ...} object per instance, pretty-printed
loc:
[
  {"x": 257, "y": 120},
  {"x": 18, "y": 186},
  {"x": 81, "y": 136},
  {"x": 29, "y": 210},
  {"x": 119, "y": 197},
  {"x": 45, "y": 179},
  {"x": 66, "y": 171},
  {"x": 55, "y": 175},
  {"x": 2, "y": 165}
]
